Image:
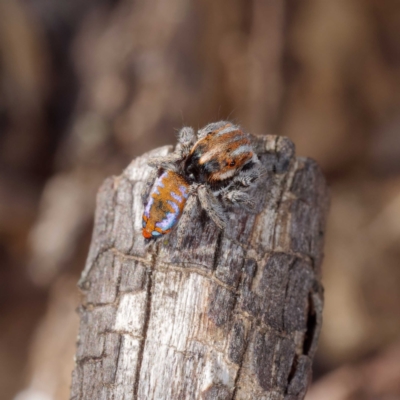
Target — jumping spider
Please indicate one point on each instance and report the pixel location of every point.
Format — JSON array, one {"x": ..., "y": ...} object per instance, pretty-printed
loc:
[{"x": 218, "y": 165}]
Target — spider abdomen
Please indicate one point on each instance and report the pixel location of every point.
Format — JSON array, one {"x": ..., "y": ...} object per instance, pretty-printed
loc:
[{"x": 165, "y": 204}]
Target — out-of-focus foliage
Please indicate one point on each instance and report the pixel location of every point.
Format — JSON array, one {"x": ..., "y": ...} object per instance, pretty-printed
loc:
[{"x": 87, "y": 85}]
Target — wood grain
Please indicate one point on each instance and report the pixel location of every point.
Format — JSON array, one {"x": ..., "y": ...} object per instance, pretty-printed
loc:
[{"x": 224, "y": 315}]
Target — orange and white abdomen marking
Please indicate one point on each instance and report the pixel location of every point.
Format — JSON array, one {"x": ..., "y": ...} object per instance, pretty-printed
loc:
[{"x": 165, "y": 205}]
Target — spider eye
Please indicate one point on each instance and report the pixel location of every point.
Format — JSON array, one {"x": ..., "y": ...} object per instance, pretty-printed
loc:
[{"x": 232, "y": 164}]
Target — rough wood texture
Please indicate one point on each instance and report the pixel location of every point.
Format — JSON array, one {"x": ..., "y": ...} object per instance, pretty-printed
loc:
[{"x": 233, "y": 315}]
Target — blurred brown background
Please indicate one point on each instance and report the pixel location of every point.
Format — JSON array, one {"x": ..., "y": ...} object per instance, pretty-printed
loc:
[{"x": 85, "y": 86}]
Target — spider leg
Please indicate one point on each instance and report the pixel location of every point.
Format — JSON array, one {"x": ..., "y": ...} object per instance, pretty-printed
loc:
[
  {"x": 247, "y": 178},
  {"x": 169, "y": 162},
  {"x": 212, "y": 206},
  {"x": 186, "y": 139},
  {"x": 193, "y": 188},
  {"x": 239, "y": 198}
]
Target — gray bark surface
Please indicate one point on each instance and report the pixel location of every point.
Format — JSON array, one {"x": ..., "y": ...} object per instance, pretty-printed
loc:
[{"x": 224, "y": 315}]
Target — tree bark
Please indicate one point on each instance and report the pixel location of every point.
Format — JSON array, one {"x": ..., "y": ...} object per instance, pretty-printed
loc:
[{"x": 224, "y": 315}]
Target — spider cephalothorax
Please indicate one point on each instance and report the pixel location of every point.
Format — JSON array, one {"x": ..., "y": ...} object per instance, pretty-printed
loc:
[
  {"x": 219, "y": 155},
  {"x": 218, "y": 165}
]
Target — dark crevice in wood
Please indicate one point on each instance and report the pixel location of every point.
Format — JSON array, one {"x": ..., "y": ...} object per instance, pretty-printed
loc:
[
  {"x": 149, "y": 290},
  {"x": 246, "y": 345},
  {"x": 293, "y": 369},
  {"x": 311, "y": 326},
  {"x": 239, "y": 361},
  {"x": 218, "y": 251},
  {"x": 117, "y": 358}
]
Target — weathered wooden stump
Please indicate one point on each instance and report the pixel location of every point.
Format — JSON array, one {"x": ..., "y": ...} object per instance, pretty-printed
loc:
[{"x": 225, "y": 315}]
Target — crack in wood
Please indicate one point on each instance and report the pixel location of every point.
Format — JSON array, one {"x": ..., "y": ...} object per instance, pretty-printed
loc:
[{"x": 145, "y": 327}]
